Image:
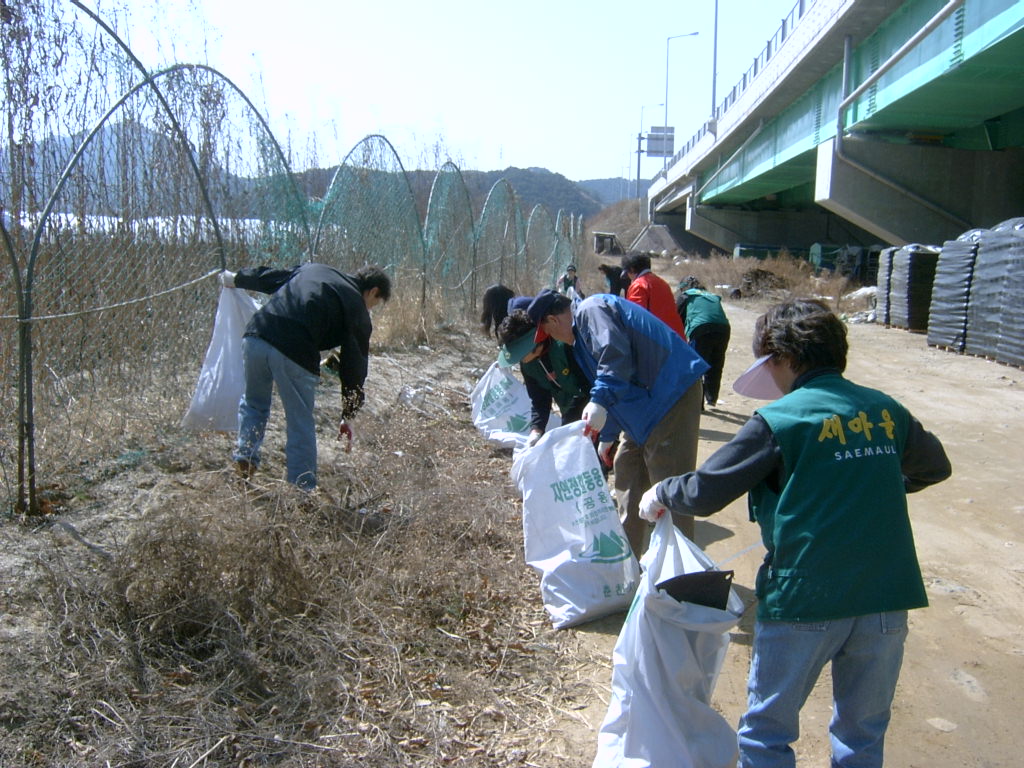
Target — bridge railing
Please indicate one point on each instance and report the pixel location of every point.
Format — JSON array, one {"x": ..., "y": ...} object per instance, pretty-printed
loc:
[{"x": 771, "y": 48}]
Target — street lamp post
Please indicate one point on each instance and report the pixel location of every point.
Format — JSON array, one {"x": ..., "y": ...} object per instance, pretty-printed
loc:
[
  {"x": 667, "y": 41},
  {"x": 639, "y": 138},
  {"x": 714, "y": 66}
]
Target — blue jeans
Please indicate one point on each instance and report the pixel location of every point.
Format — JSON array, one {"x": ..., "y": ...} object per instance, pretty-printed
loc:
[
  {"x": 866, "y": 653},
  {"x": 265, "y": 366}
]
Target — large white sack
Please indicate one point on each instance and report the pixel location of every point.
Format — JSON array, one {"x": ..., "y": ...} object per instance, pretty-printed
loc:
[
  {"x": 664, "y": 667},
  {"x": 501, "y": 408},
  {"x": 222, "y": 380},
  {"x": 571, "y": 529}
]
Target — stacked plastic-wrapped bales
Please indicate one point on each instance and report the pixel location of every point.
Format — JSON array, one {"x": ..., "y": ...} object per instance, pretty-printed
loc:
[
  {"x": 882, "y": 304},
  {"x": 1010, "y": 348},
  {"x": 954, "y": 275},
  {"x": 975, "y": 302},
  {"x": 910, "y": 286}
]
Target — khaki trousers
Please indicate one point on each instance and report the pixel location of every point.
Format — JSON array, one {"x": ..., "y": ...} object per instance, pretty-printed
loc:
[{"x": 671, "y": 449}]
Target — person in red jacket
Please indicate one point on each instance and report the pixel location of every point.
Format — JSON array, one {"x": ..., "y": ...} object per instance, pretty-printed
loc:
[{"x": 650, "y": 291}]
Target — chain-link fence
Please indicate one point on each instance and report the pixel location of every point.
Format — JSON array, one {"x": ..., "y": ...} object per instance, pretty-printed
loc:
[{"x": 124, "y": 192}]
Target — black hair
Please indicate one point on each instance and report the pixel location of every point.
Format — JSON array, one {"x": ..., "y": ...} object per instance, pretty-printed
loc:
[
  {"x": 514, "y": 326},
  {"x": 636, "y": 262},
  {"x": 617, "y": 281},
  {"x": 690, "y": 282},
  {"x": 495, "y": 307},
  {"x": 370, "y": 277},
  {"x": 805, "y": 333}
]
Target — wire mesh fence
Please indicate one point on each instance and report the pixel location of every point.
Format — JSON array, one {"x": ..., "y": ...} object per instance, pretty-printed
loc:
[{"x": 124, "y": 192}]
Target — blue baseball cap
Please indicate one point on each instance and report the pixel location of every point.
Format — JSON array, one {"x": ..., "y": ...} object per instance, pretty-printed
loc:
[{"x": 538, "y": 309}]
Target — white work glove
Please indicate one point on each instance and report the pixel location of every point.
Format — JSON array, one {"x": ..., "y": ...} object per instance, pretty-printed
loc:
[
  {"x": 594, "y": 416},
  {"x": 227, "y": 279},
  {"x": 533, "y": 438},
  {"x": 604, "y": 450},
  {"x": 650, "y": 508}
]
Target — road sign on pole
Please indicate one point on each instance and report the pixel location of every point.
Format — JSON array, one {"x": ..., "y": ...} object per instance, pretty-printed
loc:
[{"x": 661, "y": 141}]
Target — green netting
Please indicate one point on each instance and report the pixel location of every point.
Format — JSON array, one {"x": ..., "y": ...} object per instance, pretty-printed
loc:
[
  {"x": 369, "y": 216},
  {"x": 449, "y": 238},
  {"x": 541, "y": 239},
  {"x": 120, "y": 206},
  {"x": 501, "y": 241}
]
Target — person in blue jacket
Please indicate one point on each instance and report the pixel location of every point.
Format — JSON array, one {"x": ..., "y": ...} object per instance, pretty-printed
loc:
[
  {"x": 645, "y": 377},
  {"x": 827, "y": 466}
]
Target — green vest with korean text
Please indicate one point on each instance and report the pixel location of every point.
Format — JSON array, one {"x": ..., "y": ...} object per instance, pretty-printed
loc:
[{"x": 838, "y": 533}]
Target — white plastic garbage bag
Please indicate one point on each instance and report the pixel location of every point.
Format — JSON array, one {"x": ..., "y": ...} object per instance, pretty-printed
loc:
[
  {"x": 221, "y": 380},
  {"x": 571, "y": 529},
  {"x": 501, "y": 408},
  {"x": 664, "y": 668}
]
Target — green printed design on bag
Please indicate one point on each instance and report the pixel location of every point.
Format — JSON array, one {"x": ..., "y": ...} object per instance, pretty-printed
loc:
[
  {"x": 621, "y": 589},
  {"x": 517, "y": 423},
  {"x": 495, "y": 396},
  {"x": 607, "y": 547}
]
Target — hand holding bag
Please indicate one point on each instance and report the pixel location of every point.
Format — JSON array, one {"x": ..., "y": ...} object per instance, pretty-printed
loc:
[
  {"x": 221, "y": 382},
  {"x": 664, "y": 668}
]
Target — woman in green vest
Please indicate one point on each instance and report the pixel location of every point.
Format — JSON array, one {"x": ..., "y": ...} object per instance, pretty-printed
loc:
[
  {"x": 707, "y": 330},
  {"x": 827, "y": 465}
]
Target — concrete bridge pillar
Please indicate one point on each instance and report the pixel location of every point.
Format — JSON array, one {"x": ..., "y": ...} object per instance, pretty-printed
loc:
[
  {"x": 918, "y": 194},
  {"x": 725, "y": 227}
]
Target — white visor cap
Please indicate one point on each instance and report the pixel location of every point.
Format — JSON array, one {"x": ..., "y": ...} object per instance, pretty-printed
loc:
[{"x": 757, "y": 382}]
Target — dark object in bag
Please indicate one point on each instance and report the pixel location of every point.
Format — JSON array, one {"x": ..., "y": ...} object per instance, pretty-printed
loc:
[{"x": 708, "y": 588}]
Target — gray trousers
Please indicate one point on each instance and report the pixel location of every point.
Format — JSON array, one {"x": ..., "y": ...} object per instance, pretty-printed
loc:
[{"x": 671, "y": 449}]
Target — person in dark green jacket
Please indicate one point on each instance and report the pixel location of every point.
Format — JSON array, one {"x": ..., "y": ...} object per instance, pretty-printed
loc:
[
  {"x": 707, "y": 330},
  {"x": 827, "y": 465},
  {"x": 550, "y": 372}
]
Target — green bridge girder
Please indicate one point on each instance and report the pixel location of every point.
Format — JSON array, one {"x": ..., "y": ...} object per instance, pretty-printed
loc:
[{"x": 962, "y": 87}]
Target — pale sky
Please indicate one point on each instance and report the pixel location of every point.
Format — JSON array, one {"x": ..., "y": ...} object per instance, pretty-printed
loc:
[{"x": 558, "y": 84}]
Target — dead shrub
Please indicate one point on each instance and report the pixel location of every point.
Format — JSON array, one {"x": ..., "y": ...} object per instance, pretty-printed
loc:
[
  {"x": 759, "y": 282},
  {"x": 387, "y": 619},
  {"x": 181, "y": 573}
]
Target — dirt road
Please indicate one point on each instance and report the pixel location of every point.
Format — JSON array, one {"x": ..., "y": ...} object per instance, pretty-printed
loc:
[{"x": 959, "y": 698}]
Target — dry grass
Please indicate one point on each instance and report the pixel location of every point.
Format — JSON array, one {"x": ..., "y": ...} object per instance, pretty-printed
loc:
[
  {"x": 760, "y": 282},
  {"x": 386, "y": 620},
  {"x": 172, "y": 616}
]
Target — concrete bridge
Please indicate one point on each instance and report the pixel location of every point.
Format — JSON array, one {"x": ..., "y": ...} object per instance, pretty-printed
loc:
[{"x": 864, "y": 122}]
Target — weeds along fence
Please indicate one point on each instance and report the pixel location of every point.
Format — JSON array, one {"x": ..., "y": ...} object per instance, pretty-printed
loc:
[{"x": 124, "y": 193}]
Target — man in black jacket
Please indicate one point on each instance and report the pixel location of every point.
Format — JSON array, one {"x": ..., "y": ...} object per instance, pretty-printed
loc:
[{"x": 312, "y": 308}]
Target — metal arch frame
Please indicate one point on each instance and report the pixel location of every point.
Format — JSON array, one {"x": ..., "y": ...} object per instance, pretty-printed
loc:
[
  {"x": 517, "y": 214},
  {"x": 26, "y": 402},
  {"x": 183, "y": 138},
  {"x": 167, "y": 108},
  {"x": 405, "y": 178},
  {"x": 72, "y": 162},
  {"x": 472, "y": 224},
  {"x": 549, "y": 258},
  {"x": 25, "y": 408}
]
